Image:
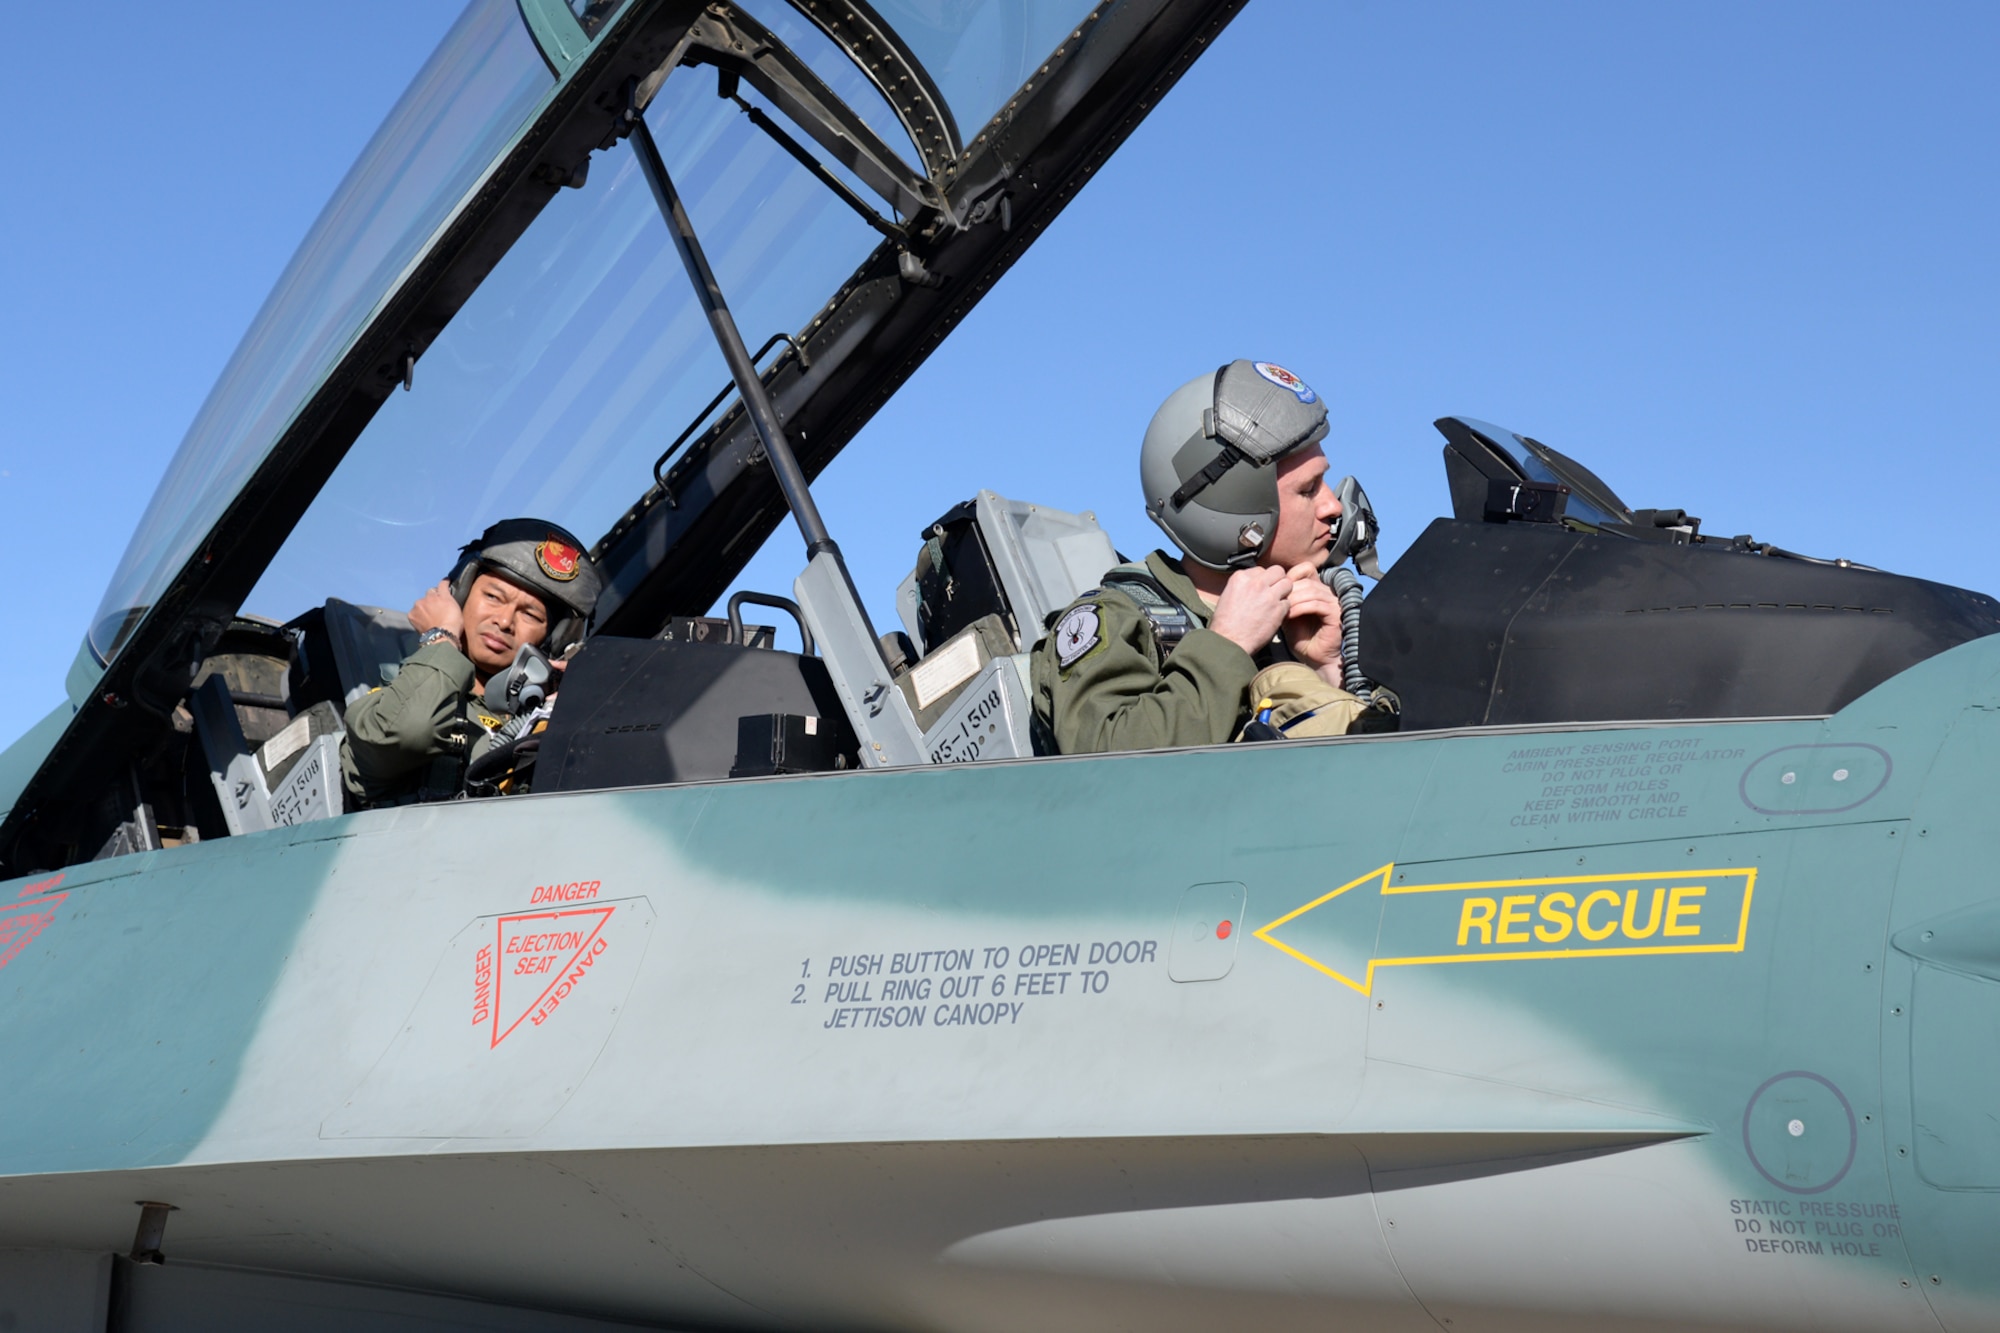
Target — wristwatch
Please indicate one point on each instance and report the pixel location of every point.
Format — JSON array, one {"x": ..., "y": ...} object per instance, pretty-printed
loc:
[{"x": 436, "y": 634}]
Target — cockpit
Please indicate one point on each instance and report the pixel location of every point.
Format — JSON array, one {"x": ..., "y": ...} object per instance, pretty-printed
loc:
[{"x": 646, "y": 268}]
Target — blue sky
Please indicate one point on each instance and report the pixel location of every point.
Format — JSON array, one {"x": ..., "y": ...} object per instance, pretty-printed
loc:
[{"x": 1739, "y": 259}]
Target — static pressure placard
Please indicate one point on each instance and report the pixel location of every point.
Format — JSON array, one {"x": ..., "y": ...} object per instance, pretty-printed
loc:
[{"x": 1512, "y": 920}]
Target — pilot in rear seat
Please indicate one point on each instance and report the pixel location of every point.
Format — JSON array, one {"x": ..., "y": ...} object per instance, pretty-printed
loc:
[
  {"x": 1183, "y": 652},
  {"x": 523, "y": 582}
]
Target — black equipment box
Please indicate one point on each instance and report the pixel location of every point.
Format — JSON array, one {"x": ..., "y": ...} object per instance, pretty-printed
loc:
[
  {"x": 637, "y": 712},
  {"x": 768, "y": 743}
]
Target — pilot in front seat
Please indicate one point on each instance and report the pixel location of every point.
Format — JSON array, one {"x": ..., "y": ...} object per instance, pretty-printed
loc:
[
  {"x": 523, "y": 582},
  {"x": 1170, "y": 652}
]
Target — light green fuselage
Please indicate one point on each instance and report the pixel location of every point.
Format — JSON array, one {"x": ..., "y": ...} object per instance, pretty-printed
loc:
[{"x": 1629, "y": 1026}]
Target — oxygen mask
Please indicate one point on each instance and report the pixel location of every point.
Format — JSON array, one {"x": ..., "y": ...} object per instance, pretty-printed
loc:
[
  {"x": 1355, "y": 531},
  {"x": 522, "y": 685}
]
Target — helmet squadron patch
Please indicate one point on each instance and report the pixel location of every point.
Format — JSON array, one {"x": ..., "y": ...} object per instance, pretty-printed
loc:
[
  {"x": 1076, "y": 634},
  {"x": 557, "y": 558},
  {"x": 1285, "y": 380}
]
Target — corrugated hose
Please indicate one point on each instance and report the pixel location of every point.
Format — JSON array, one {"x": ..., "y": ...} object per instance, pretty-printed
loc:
[{"x": 1347, "y": 586}]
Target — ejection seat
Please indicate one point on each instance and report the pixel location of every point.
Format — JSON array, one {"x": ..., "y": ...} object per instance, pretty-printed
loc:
[
  {"x": 268, "y": 714},
  {"x": 990, "y": 576}
]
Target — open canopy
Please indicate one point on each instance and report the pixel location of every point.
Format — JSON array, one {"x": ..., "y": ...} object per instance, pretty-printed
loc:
[
  {"x": 839, "y": 149},
  {"x": 862, "y": 174}
]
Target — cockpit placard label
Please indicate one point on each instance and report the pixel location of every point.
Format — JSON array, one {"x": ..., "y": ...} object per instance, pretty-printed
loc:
[
  {"x": 536, "y": 960},
  {"x": 1513, "y": 920},
  {"x": 509, "y": 1023},
  {"x": 973, "y": 986}
]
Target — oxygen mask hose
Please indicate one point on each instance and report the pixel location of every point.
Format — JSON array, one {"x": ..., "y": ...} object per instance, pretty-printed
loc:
[{"x": 1347, "y": 587}]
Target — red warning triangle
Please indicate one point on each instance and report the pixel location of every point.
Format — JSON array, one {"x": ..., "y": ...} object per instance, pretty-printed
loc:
[
  {"x": 17, "y": 932},
  {"x": 542, "y": 956}
]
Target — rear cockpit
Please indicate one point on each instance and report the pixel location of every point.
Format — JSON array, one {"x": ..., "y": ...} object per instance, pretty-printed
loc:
[
  {"x": 704, "y": 698},
  {"x": 255, "y": 744}
]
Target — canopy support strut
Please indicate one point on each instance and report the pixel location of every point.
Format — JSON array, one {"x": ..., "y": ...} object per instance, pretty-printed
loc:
[{"x": 749, "y": 384}]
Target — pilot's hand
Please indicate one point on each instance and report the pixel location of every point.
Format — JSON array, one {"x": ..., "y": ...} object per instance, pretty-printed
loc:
[
  {"x": 438, "y": 609},
  {"x": 1252, "y": 606},
  {"x": 1312, "y": 624}
]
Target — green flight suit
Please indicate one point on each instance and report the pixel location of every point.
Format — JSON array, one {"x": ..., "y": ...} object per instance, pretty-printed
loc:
[
  {"x": 412, "y": 739},
  {"x": 1100, "y": 684}
]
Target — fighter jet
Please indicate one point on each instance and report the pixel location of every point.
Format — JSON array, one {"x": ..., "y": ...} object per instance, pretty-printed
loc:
[{"x": 1644, "y": 977}]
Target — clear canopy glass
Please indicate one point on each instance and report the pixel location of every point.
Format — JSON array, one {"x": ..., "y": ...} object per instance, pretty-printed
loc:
[
  {"x": 1590, "y": 500},
  {"x": 837, "y": 70},
  {"x": 582, "y": 355},
  {"x": 480, "y": 88},
  {"x": 577, "y": 361},
  {"x": 980, "y": 52}
]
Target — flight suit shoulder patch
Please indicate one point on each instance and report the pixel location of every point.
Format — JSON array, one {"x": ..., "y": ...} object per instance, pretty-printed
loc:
[{"x": 1079, "y": 633}]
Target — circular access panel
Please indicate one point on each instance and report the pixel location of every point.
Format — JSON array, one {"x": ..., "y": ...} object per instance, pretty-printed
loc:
[{"x": 1800, "y": 1132}]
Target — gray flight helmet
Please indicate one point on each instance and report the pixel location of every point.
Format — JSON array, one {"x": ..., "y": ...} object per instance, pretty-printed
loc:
[
  {"x": 546, "y": 560},
  {"x": 1209, "y": 465}
]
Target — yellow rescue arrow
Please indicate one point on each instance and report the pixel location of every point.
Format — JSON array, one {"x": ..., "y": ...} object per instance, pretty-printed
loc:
[{"x": 1353, "y": 930}]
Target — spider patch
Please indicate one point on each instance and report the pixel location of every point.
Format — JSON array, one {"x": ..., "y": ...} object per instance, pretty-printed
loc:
[{"x": 1076, "y": 634}]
